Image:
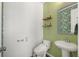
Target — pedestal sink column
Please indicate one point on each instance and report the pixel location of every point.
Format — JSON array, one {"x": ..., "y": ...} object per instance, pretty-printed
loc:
[
  {"x": 66, "y": 47},
  {"x": 65, "y": 53}
]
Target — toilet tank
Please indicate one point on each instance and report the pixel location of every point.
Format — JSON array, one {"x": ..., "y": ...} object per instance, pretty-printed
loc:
[{"x": 47, "y": 43}]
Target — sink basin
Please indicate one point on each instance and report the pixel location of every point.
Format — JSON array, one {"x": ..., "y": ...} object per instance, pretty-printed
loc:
[{"x": 66, "y": 47}]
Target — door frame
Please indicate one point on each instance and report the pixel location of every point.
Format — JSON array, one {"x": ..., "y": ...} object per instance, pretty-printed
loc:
[{"x": 2, "y": 28}]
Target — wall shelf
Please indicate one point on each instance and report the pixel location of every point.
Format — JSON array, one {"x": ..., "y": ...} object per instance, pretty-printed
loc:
[
  {"x": 47, "y": 22},
  {"x": 47, "y": 18},
  {"x": 47, "y": 25}
]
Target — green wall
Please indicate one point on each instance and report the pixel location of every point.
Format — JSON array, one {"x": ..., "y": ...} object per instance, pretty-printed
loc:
[{"x": 50, "y": 33}]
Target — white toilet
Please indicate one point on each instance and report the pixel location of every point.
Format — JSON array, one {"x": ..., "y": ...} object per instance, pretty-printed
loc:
[{"x": 41, "y": 49}]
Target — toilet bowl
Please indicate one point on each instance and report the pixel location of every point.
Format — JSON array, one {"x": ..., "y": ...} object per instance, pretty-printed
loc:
[{"x": 41, "y": 49}]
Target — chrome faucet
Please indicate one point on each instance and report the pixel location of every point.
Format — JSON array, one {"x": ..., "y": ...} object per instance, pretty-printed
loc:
[{"x": 67, "y": 40}]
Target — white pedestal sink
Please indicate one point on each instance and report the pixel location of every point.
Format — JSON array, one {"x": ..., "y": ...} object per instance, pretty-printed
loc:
[{"x": 66, "y": 47}]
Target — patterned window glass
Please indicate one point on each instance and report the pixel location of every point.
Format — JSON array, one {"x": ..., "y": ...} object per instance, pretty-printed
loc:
[{"x": 64, "y": 20}]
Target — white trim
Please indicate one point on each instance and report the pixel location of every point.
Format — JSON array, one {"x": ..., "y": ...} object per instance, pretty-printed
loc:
[
  {"x": 67, "y": 7},
  {"x": 78, "y": 31}
]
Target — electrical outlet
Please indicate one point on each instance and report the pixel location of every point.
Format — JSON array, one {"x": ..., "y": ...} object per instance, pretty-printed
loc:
[
  {"x": 22, "y": 40},
  {"x": 18, "y": 40}
]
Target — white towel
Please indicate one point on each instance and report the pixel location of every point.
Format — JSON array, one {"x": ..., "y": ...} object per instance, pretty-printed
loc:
[{"x": 74, "y": 19}]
